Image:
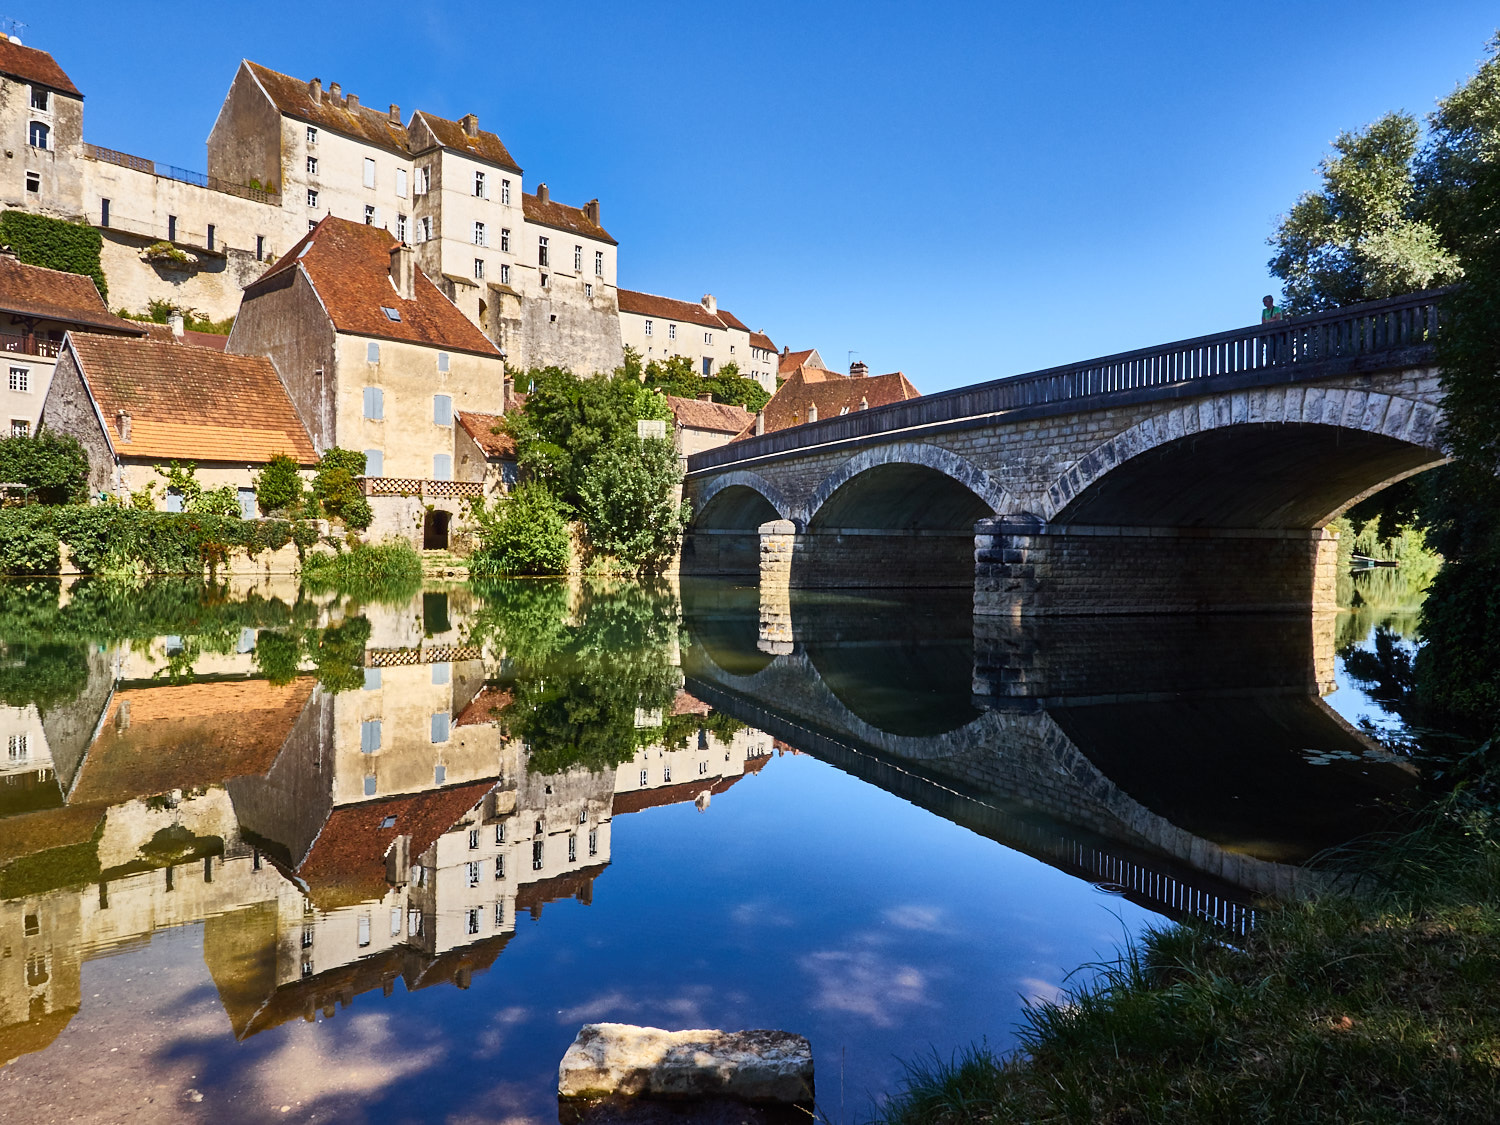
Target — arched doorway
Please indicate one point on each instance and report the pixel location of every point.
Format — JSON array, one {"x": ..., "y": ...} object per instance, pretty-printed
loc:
[{"x": 435, "y": 530}]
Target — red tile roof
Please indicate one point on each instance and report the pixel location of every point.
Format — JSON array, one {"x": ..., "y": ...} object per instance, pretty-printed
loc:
[
  {"x": 685, "y": 704},
  {"x": 573, "y": 884},
  {"x": 793, "y": 360},
  {"x": 30, "y": 65},
  {"x": 550, "y": 213},
  {"x": 349, "y": 264},
  {"x": 669, "y": 308},
  {"x": 485, "y": 708},
  {"x": 481, "y": 427},
  {"x": 485, "y": 145},
  {"x": 293, "y": 98},
  {"x": 762, "y": 341},
  {"x": 732, "y": 321},
  {"x": 191, "y": 403},
  {"x": 833, "y": 394},
  {"x": 33, "y": 291},
  {"x": 716, "y": 417},
  {"x": 639, "y": 800},
  {"x": 163, "y": 334}
]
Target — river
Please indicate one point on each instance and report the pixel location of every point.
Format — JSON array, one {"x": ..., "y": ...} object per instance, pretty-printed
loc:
[{"x": 266, "y": 855}]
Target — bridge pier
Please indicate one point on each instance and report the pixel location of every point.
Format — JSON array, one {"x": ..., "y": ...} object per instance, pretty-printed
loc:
[
  {"x": 1024, "y": 568},
  {"x": 851, "y": 558}
]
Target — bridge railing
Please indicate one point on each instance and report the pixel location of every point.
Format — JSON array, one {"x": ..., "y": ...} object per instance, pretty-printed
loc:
[{"x": 1304, "y": 347}]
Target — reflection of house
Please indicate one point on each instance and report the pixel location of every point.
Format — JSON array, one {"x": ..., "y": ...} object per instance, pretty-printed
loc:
[
  {"x": 37, "y": 306},
  {"x": 705, "y": 764},
  {"x": 812, "y": 393},
  {"x": 701, "y": 423},
  {"x": 136, "y": 404}
]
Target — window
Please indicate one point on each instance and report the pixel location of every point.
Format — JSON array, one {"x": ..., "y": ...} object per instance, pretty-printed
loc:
[
  {"x": 374, "y": 401},
  {"x": 372, "y": 675},
  {"x": 39, "y": 98},
  {"x": 442, "y": 673},
  {"x": 666, "y": 775},
  {"x": 400, "y": 227},
  {"x": 500, "y": 833},
  {"x": 573, "y": 848},
  {"x": 478, "y": 269},
  {"x": 369, "y": 785},
  {"x": 312, "y": 224},
  {"x": 578, "y": 259},
  {"x": 583, "y": 815},
  {"x": 648, "y": 328},
  {"x": 708, "y": 337},
  {"x": 439, "y": 774},
  {"x": 369, "y": 215},
  {"x": 671, "y": 332},
  {"x": 479, "y": 189},
  {"x": 174, "y": 495},
  {"x": 307, "y": 937},
  {"x": 536, "y": 855},
  {"x": 212, "y": 232},
  {"x": 499, "y": 915},
  {"x": 442, "y": 361},
  {"x": 171, "y": 228},
  {"x": 424, "y": 180},
  {"x": 643, "y": 779},
  {"x": 312, "y": 135},
  {"x": 104, "y": 212},
  {"x": 369, "y": 171},
  {"x": 504, "y": 191},
  {"x": 307, "y": 967},
  {"x": 541, "y": 250},
  {"x": 401, "y": 183},
  {"x": 372, "y": 352},
  {"x": 505, "y": 239},
  {"x": 39, "y": 135},
  {"x": 442, "y": 466},
  {"x": 260, "y": 245},
  {"x": 374, "y": 463},
  {"x": 369, "y": 736},
  {"x": 479, "y": 237},
  {"x": 593, "y": 841},
  {"x": 442, "y": 410},
  {"x": 18, "y": 747},
  {"x": 364, "y": 930},
  {"x": 247, "y": 503},
  {"x": 395, "y": 921},
  {"x": 598, "y": 263},
  {"x": 20, "y": 379},
  {"x": 708, "y": 366},
  {"x": 504, "y": 274},
  {"x": 393, "y": 315},
  {"x": 312, "y": 165},
  {"x": 424, "y": 229},
  {"x": 312, "y": 197},
  {"x": 440, "y": 720},
  {"x": 474, "y": 874},
  {"x": 588, "y": 290},
  {"x": 387, "y": 822},
  {"x": 544, "y": 285},
  {"x": 702, "y": 767},
  {"x": 499, "y": 867},
  {"x": 473, "y": 919},
  {"x": 33, "y": 181},
  {"x": 473, "y": 839}
]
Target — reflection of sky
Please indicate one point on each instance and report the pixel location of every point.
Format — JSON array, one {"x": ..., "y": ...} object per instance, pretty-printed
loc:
[
  {"x": 803, "y": 899},
  {"x": 1350, "y": 701}
]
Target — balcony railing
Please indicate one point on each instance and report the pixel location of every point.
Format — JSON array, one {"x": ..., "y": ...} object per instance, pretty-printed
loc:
[
  {"x": 184, "y": 175},
  {"x": 1398, "y": 329},
  {"x": 28, "y": 345},
  {"x": 426, "y": 489}
]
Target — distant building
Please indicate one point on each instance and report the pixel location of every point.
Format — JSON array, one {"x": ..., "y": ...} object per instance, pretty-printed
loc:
[
  {"x": 711, "y": 337},
  {"x": 701, "y": 423},
  {"x": 39, "y": 307},
  {"x": 788, "y": 361},
  {"x": 810, "y": 394}
]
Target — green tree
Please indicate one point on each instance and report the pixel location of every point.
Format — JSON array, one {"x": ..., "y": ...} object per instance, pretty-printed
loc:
[
  {"x": 629, "y": 503},
  {"x": 278, "y": 487},
  {"x": 337, "y": 491},
  {"x": 676, "y": 376},
  {"x": 1465, "y": 141},
  {"x": 54, "y": 466},
  {"x": 523, "y": 533}
]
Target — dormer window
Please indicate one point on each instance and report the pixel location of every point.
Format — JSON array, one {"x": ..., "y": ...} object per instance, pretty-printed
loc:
[
  {"x": 41, "y": 98},
  {"x": 391, "y": 314}
]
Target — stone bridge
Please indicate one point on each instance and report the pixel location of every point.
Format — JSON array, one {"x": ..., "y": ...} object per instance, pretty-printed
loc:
[
  {"x": 1154, "y": 754},
  {"x": 1197, "y": 476}
]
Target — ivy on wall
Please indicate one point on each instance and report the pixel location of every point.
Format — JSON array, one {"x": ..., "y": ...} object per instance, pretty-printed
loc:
[{"x": 55, "y": 244}]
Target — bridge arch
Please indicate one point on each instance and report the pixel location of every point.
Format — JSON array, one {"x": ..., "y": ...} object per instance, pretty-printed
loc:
[
  {"x": 909, "y": 454},
  {"x": 725, "y": 498},
  {"x": 723, "y": 537},
  {"x": 1283, "y": 458}
]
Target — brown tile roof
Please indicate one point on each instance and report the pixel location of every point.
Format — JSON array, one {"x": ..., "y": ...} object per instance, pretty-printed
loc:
[
  {"x": 186, "y": 736},
  {"x": 190, "y": 403},
  {"x": 346, "y": 863},
  {"x": 550, "y": 213},
  {"x": 639, "y": 800},
  {"x": 667, "y": 308},
  {"x": 793, "y": 360},
  {"x": 732, "y": 321},
  {"x": 762, "y": 341},
  {"x": 485, "y": 145},
  {"x": 163, "y": 334},
  {"x": 30, "y": 65},
  {"x": 481, "y": 427},
  {"x": 685, "y": 704},
  {"x": 33, "y": 291},
  {"x": 717, "y": 417},
  {"x": 349, "y": 264},
  {"x": 833, "y": 395},
  {"x": 485, "y": 707},
  {"x": 574, "y": 884},
  {"x": 292, "y": 97}
]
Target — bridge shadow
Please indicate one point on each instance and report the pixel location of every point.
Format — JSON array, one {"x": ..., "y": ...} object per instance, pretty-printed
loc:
[{"x": 1174, "y": 756}]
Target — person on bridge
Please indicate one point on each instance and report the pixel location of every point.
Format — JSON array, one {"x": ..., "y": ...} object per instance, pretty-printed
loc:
[{"x": 1271, "y": 312}]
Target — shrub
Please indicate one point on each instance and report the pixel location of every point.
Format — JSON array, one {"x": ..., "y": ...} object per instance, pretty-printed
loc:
[
  {"x": 55, "y": 466},
  {"x": 336, "y": 490},
  {"x": 55, "y": 244},
  {"x": 278, "y": 487},
  {"x": 629, "y": 506},
  {"x": 384, "y": 572},
  {"x": 524, "y": 533},
  {"x": 28, "y": 541}
]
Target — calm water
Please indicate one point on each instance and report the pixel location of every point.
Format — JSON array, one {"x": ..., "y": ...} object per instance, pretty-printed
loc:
[{"x": 265, "y": 855}]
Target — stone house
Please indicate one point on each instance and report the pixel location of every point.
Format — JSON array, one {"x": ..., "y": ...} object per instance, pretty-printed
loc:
[
  {"x": 377, "y": 359},
  {"x": 483, "y": 453},
  {"x": 41, "y": 129},
  {"x": 789, "y": 361},
  {"x": 810, "y": 393},
  {"x": 37, "y": 308},
  {"x": 135, "y": 404},
  {"x": 662, "y": 327},
  {"x": 701, "y": 423}
]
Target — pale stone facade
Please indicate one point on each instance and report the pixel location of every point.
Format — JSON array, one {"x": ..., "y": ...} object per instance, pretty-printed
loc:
[{"x": 660, "y": 328}]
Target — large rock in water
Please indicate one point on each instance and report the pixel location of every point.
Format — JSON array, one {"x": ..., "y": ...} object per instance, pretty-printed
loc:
[{"x": 620, "y": 1058}]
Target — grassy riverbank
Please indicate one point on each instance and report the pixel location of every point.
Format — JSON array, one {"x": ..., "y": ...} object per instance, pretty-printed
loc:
[{"x": 1379, "y": 1004}]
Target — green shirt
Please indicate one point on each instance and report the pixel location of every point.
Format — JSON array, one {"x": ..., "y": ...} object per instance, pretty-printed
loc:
[{"x": 1272, "y": 313}]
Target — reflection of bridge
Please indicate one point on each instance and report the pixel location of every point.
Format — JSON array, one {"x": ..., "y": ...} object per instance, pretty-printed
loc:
[
  {"x": 1195, "y": 475},
  {"x": 1153, "y": 755}
]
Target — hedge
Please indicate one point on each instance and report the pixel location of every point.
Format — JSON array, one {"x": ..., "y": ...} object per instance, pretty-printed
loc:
[{"x": 55, "y": 244}]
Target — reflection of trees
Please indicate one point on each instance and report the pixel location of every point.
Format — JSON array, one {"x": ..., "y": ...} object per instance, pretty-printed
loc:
[
  {"x": 578, "y": 679},
  {"x": 337, "y": 652},
  {"x": 1386, "y": 674}
]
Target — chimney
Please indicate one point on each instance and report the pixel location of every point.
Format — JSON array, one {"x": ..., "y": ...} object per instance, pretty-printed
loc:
[
  {"x": 541, "y": 193},
  {"x": 591, "y": 211},
  {"x": 174, "y": 321},
  {"x": 812, "y": 413},
  {"x": 786, "y": 349},
  {"x": 315, "y": 91},
  {"x": 403, "y": 270},
  {"x": 709, "y": 303},
  {"x": 706, "y": 398},
  {"x": 395, "y": 114},
  {"x": 352, "y": 101},
  {"x": 864, "y": 404},
  {"x": 858, "y": 369},
  {"x": 470, "y": 123},
  {"x": 122, "y": 424},
  {"x": 334, "y": 90},
  {"x": 507, "y": 392},
  {"x": 760, "y": 423}
]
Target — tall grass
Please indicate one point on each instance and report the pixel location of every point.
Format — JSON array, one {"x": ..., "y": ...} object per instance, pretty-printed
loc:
[{"x": 389, "y": 572}]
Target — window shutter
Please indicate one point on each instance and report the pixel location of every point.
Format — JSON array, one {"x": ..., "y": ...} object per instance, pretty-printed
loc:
[
  {"x": 442, "y": 410},
  {"x": 374, "y": 463},
  {"x": 374, "y": 401},
  {"x": 442, "y": 466}
]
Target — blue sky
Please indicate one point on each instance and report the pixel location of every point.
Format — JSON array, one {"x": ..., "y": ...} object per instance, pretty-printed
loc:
[{"x": 960, "y": 191}]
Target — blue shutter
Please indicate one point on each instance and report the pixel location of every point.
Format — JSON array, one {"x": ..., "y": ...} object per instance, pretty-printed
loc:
[
  {"x": 374, "y": 463},
  {"x": 372, "y": 679},
  {"x": 440, "y": 726},
  {"x": 374, "y": 401},
  {"x": 247, "y": 503},
  {"x": 372, "y": 352},
  {"x": 369, "y": 736},
  {"x": 442, "y": 466},
  {"x": 442, "y": 410}
]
